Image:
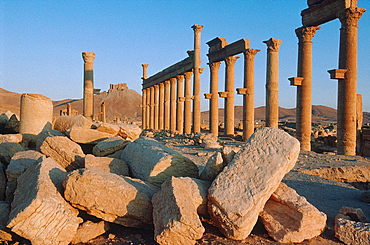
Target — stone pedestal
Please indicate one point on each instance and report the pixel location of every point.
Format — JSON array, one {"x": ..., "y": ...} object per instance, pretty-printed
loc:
[
  {"x": 272, "y": 82},
  {"x": 196, "y": 91},
  {"x": 88, "y": 98},
  {"x": 161, "y": 106},
  {"x": 229, "y": 99},
  {"x": 347, "y": 86},
  {"x": 180, "y": 104},
  {"x": 167, "y": 96},
  {"x": 213, "y": 104},
  {"x": 187, "y": 109},
  {"x": 173, "y": 105}
]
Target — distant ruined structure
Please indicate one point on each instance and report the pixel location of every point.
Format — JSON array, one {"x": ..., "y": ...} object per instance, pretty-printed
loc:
[{"x": 117, "y": 87}]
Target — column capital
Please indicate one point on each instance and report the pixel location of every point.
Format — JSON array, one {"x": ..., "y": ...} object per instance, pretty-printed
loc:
[
  {"x": 273, "y": 44},
  {"x": 156, "y": 86},
  {"x": 214, "y": 65},
  {"x": 167, "y": 82},
  {"x": 173, "y": 80},
  {"x": 350, "y": 16},
  {"x": 161, "y": 85},
  {"x": 144, "y": 65},
  {"x": 250, "y": 53},
  {"x": 305, "y": 34},
  {"x": 296, "y": 81},
  {"x": 197, "y": 28},
  {"x": 188, "y": 74},
  {"x": 230, "y": 60},
  {"x": 223, "y": 94},
  {"x": 88, "y": 57},
  {"x": 180, "y": 77},
  {"x": 208, "y": 96},
  {"x": 337, "y": 73},
  {"x": 241, "y": 90}
]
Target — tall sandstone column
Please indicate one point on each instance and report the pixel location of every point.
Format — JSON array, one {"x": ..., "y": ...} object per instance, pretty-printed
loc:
[
  {"x": 347, "y": 87},
  {"x": 229, "y": 99},
  {"x": 213, "y": 103},
  {"x": 102, "y": 112},
  {"x": 187, "y": 110},
  {"x": 248, "y": 98},
  {"x": 156, "y": 106},
  {"x": 173, "y": 105},
  {"x": 304, "y": 91},
  {"x": 88, "y": 98},
  {"x": 143, "y": 109},
  {"x": 167, "y": 98},
  {"x": 196, "y": 102},
  {"x": 147, "y": 104},
  {"x": 180, "y": 104},
  {"x": 272, "y": 82},
  {"x": 151, "y": 122},
  {"x": 161, "y": 106}
]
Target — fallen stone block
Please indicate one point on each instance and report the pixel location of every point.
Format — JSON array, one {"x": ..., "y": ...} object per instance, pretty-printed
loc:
[
  {"x": 108, "y": 128},
  {"x": 214, "y": 166},
  {"x": 107, "y": 164},
  {"x": 39, "y": 213},
  {"x": 240, "y": 191},
  {"x": 4, "y": 214},
  {"x": 90, "y": 230},
  {"x": 65, "y": 123},
  {"x": 290, "y": 218},
  {"x": 87, "y": 136},
  {"x": 44, "y": 134},
  {"x": 12, "y": 138},
  {"x": 19, "y": 163},
  {"x": 129, "y": 131},
  {"x": 118, "y": 199},
  {"x": 351, "y": 232},
  {"x": 12, "y": 127},
  {"x": 109, "y": 146},
  {"x": 356, "y": 214},
  {"x": 153, "y": 162},
  {"x": 2, "y": 182},
  {"x": 64, "y": 151},
  {"x": 7, "y": 151},
  {"x": 175, "y": 207}
]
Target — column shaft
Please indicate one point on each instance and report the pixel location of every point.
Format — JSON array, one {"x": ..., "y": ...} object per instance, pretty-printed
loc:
[
  {"x": 167, "y": 97},
  {"x": 143, "y": 109},
  {"x": 180, "y": 104},
  {"x": 147, "y": 105},
  {"x": 272, "y": 82},
  {"x": 88, "y": 98},
  {"x": 156, "y": 106},
  {"x": 151, "y": 125},
  {"x": 187, "y": 109},
  {"x": 161, "y": 106},
  {"x": 196, "y": 102},
  {"x": 229, "y": 100},
  {"x": 347, "y": 87},
  {"x": 173, "y": 105},
  {"x": 213, "y": 103},
  {"x": 102, "y": 111}
]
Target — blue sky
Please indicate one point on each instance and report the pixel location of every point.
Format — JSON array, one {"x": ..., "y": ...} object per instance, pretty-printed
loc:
[{"x": 41, "y": 44}]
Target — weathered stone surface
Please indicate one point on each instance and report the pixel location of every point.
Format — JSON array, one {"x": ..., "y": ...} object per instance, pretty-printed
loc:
[
  {"x": 39, "y": 212},
  {"x": 228, "y": 153},
  {"x": 113, "y": 198},
  {"x": 109, "y": 146},
  {"x": 12, "y": 138},
  {"x": 44, "y": 134},
  {"x": 240, "y": 191},
  {"x": 2, "y": 182},
  {"x": 175, "y": 215},
  {"x": 13, "y": 125},
  {"x": 7, "y": 151},
  {"x": 210, "y": 141},
  {"x": 214, "y": 166},
  {"x": 351, "y": 232},
  {"x": 64, "y": 151},
  {"x": 107, "y": 164},
  {"x": 4, "y": 118},
  {"x": 108, "y": 128},
  {"x": 4, "y": 214},
  {"x": 129, "y": 131},
  {"x": 65, "y": 123},
  {"x": 356, "y": 214},
  {"x": 290, "y": 218},
  {"x": 153, "y": 162},
  {"x": 87, "y": 136},
  {"x": 90, "y": 230},
  {"x": 17, "y": 166},
  {"x": 365, "y": 196}
]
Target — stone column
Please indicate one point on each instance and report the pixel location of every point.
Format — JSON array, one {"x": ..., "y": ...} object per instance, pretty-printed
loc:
[
  {"x": 180, "y": 104},
  {"x": 173, "y": 105},
  {"x": 248, "y": 98},
  {"x": 359, "y": 121},
  {"x": 147, "y": 105},
  {"x": 187, "y": 109},
  {"x": 196, "y": 83},
  {"x": 156, "y": 106},
  {"x": 145, "y": 71},
  {"x": 69, "y": 109},
  {"x": 102, "y": 111},
  {"x": 151, "y": 106},
  {"x": 347, "y": 87},
  {"x": 272, "y": 82},
  {"x": 36, "y": 115},
  {"x": 161, "y": 106},
  {"x": 304, "y": 91},
  {"x": 229, "y": 93},
  {"x": 213, "y": 103},
  {"x": 167, "y": 98},
  {"x": 88, "y": 98},
  {"x": 143, "y": 109}
]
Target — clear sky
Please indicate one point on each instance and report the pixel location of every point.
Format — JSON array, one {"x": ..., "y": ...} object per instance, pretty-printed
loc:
[{"x": 41, "y": 42}]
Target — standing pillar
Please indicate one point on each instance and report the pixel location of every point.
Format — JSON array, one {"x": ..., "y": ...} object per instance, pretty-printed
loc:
[
  {"x": 272, "y": 82},
  {"x": 147, "y": 106},
  {"x": 248, "y": 97},
  {"x": 347, "y": 87},
  {"x": 102, "y": 112},
  {"x": 213, "y": 103},
  {"x": 151, "y": 106},
  {"x": 304, "y": 90},
  {"x": 69, "y": 109},
  {"x": 88, "y": 98},
  {"x": 161, "y": 106},
  {"x": 196, "y": 102},
  {"x": 143, "y": 109},
  {"x": 145, "y": 71},
  {"x": 156, "y": 106},
  {"x": 359, "y": 121},
  {"x": 229, "y": 95},
  {"x": 173, "y": 105},
  {"x": 167, "y": 97},
  {"x": 180, "y": 104},
  {"x": 187, "y": 109}
]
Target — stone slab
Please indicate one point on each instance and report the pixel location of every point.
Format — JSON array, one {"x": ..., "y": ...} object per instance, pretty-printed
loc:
[{"x": 107, "y": 164}]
